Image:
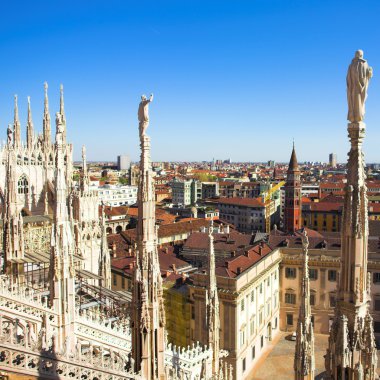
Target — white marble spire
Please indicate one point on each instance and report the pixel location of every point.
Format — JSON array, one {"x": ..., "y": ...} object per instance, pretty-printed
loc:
[
  {"x": 304, "y": 361},
  {"x": 104, "y": 258},
  {"x": 16, "y": 125},
  {"x": 346, "y": 356},
  {"x": 29, "y": 128},
  {"x": 212, "y": 306},
  {"x": 148, "y": 322},
  {"x": 46, "y": 119},
  {"x": 62, "y": 271}
]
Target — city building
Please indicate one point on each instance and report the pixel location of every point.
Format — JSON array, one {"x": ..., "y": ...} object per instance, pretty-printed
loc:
[
  {"x": 123, "y": 162},
  {"x": 185, "y": 192},
  {"x": 117, "y": 195},
  {"x": 246, "y": 214},
  {"x": 248, "y": 296},
  {"x": 332, "y": 160}
]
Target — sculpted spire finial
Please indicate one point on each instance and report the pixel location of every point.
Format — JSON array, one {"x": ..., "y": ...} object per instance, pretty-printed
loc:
[
  {"x": 16, "y": 110},
  {"x": 16, "y": 124},
  {"x": 61, "y": 104},
  {"x": 46, "y": 119},
  {"x": 143, "y": 114},
  {"x": 29, "y": 127},
  {"x": 358, "y": 76}
]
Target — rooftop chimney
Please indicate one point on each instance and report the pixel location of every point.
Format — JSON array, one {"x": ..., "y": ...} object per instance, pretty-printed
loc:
[{"x": 239, "y": 270}]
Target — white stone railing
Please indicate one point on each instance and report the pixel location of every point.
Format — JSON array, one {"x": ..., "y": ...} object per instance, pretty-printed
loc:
[
  {"x": 116, "y": 334},
  {"x": 19, "y": 299},
  {"x": 23, "y": 353}
]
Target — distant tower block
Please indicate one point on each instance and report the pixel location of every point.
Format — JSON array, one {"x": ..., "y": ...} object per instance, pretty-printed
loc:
[
  {"x": 292, "y": 213},
  {"x": 332, "y": 160}
]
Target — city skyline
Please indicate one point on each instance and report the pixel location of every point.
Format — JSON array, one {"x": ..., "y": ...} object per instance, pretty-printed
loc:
[{"x": 228, "y": 81}]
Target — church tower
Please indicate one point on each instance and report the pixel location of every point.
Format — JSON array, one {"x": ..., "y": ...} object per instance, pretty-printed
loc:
[
  {"x": 351, "y": 353},
  {"x": 148, "y": 320},
  {"x": 304, "y": 362},
  {"x": 212, "y": 307},
  {"x": 293, "y": 206}
]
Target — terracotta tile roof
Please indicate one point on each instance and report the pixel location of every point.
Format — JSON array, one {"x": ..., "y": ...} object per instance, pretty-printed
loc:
[
  {"x": 247, "y": 202},
  {"x": 169, "y": 262},
  {"x": 173, "y": 229},
  {"x": 222, "y": 242},
  {"x": 234, "y": 266},
  {"x": 325, "y": 206}
]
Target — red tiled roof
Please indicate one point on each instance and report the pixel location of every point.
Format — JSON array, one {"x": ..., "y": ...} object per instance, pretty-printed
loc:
[
  {"x": 248, "y": 202},
  {"x": 236, "y": 265}
]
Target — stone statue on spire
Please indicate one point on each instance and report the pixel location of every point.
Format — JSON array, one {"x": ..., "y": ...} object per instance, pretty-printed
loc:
[
  {"x": 143, "y": 114},
  {"x": 9, "y": 134},
  {"x": 358, "y": 76}
]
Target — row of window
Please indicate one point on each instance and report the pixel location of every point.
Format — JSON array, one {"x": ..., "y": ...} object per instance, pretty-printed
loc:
[
  {"x": 313, "y": 273},
  {"x": 253, "y": 349},
  {"x": 259, "y": 289},
  {"x": 290, "y": 298},
  {"x": 291, "y": 273}
]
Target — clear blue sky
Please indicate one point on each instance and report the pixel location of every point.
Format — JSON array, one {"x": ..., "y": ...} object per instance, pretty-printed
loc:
[{"x": 233, "y": 78}]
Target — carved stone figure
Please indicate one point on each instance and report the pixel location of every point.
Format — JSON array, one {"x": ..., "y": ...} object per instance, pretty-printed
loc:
[
  {"x": 143, "y": 114},
  {"x": 9, "y": 134},
  {"x": 358, "y": 76}
]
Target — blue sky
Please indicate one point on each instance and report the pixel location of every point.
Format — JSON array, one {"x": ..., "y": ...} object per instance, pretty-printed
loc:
[{"x": 235, "y": 79}]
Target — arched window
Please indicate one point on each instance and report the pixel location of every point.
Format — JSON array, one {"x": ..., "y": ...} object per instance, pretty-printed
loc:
[{"x": 23, "y": 185}]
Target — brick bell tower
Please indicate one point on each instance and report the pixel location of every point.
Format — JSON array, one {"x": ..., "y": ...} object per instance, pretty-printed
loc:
[{"x": 293, "y": 207}]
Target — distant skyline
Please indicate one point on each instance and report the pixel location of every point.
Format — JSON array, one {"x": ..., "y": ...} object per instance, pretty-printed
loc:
[{"x": 235, "y": 79}]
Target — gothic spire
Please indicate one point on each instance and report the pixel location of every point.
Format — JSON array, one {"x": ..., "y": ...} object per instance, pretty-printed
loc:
[
  {"x": 212, "y": 306},
  {"x": 61, "y": 270},
  {"x": 304, "y": 361},
  {"x": 13, "y": 243},
  {"x": 29, "y": 127},
  {"x": 148, "y": 339},
  {"x": 46, "y": 119},
  {"x": 84, "y": 180},
  {"x": 16, "y": 126},
  {"x": 62, "y": 111},
  {"x": 350, "y": 326},
  {"x": 105, "y": 260}
]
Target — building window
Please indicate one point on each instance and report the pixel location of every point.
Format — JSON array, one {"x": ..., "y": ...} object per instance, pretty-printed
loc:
[
  {"x": 252, "y": 296},
  {"x": 192, "y": 312},
  {"x": 262, "y": 341},
  {"x": 243, "y": 364},
  {"x": 312, "y": 320},
  {"x": 377, "y": 327},
  {"x": 290, "y": 272},
  {"x": 261, "y": 317},
  {"x": 242, "y": 337},
  {"x": 123, "y": 282},
  {"x": 332, "y": 275},
  {"x": 289, "y": 319},
  {"x": 242, "y": 305},
  {"x": 377, "y": 304},
  {"x": 332, "y": 300},
  {"x": 313, "y": 274},
  {"x": 252, "y": 325},
  {"x": 253, "y": 352},
  {"x": 114, "y": 279},
  {"x": 23, "y": 185},
  {"x": 312, "y": 299},
  {"x": 290, "y": 298},
  {"x": 376, "y": 277},
  {"x": 261, "y": 288}
]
